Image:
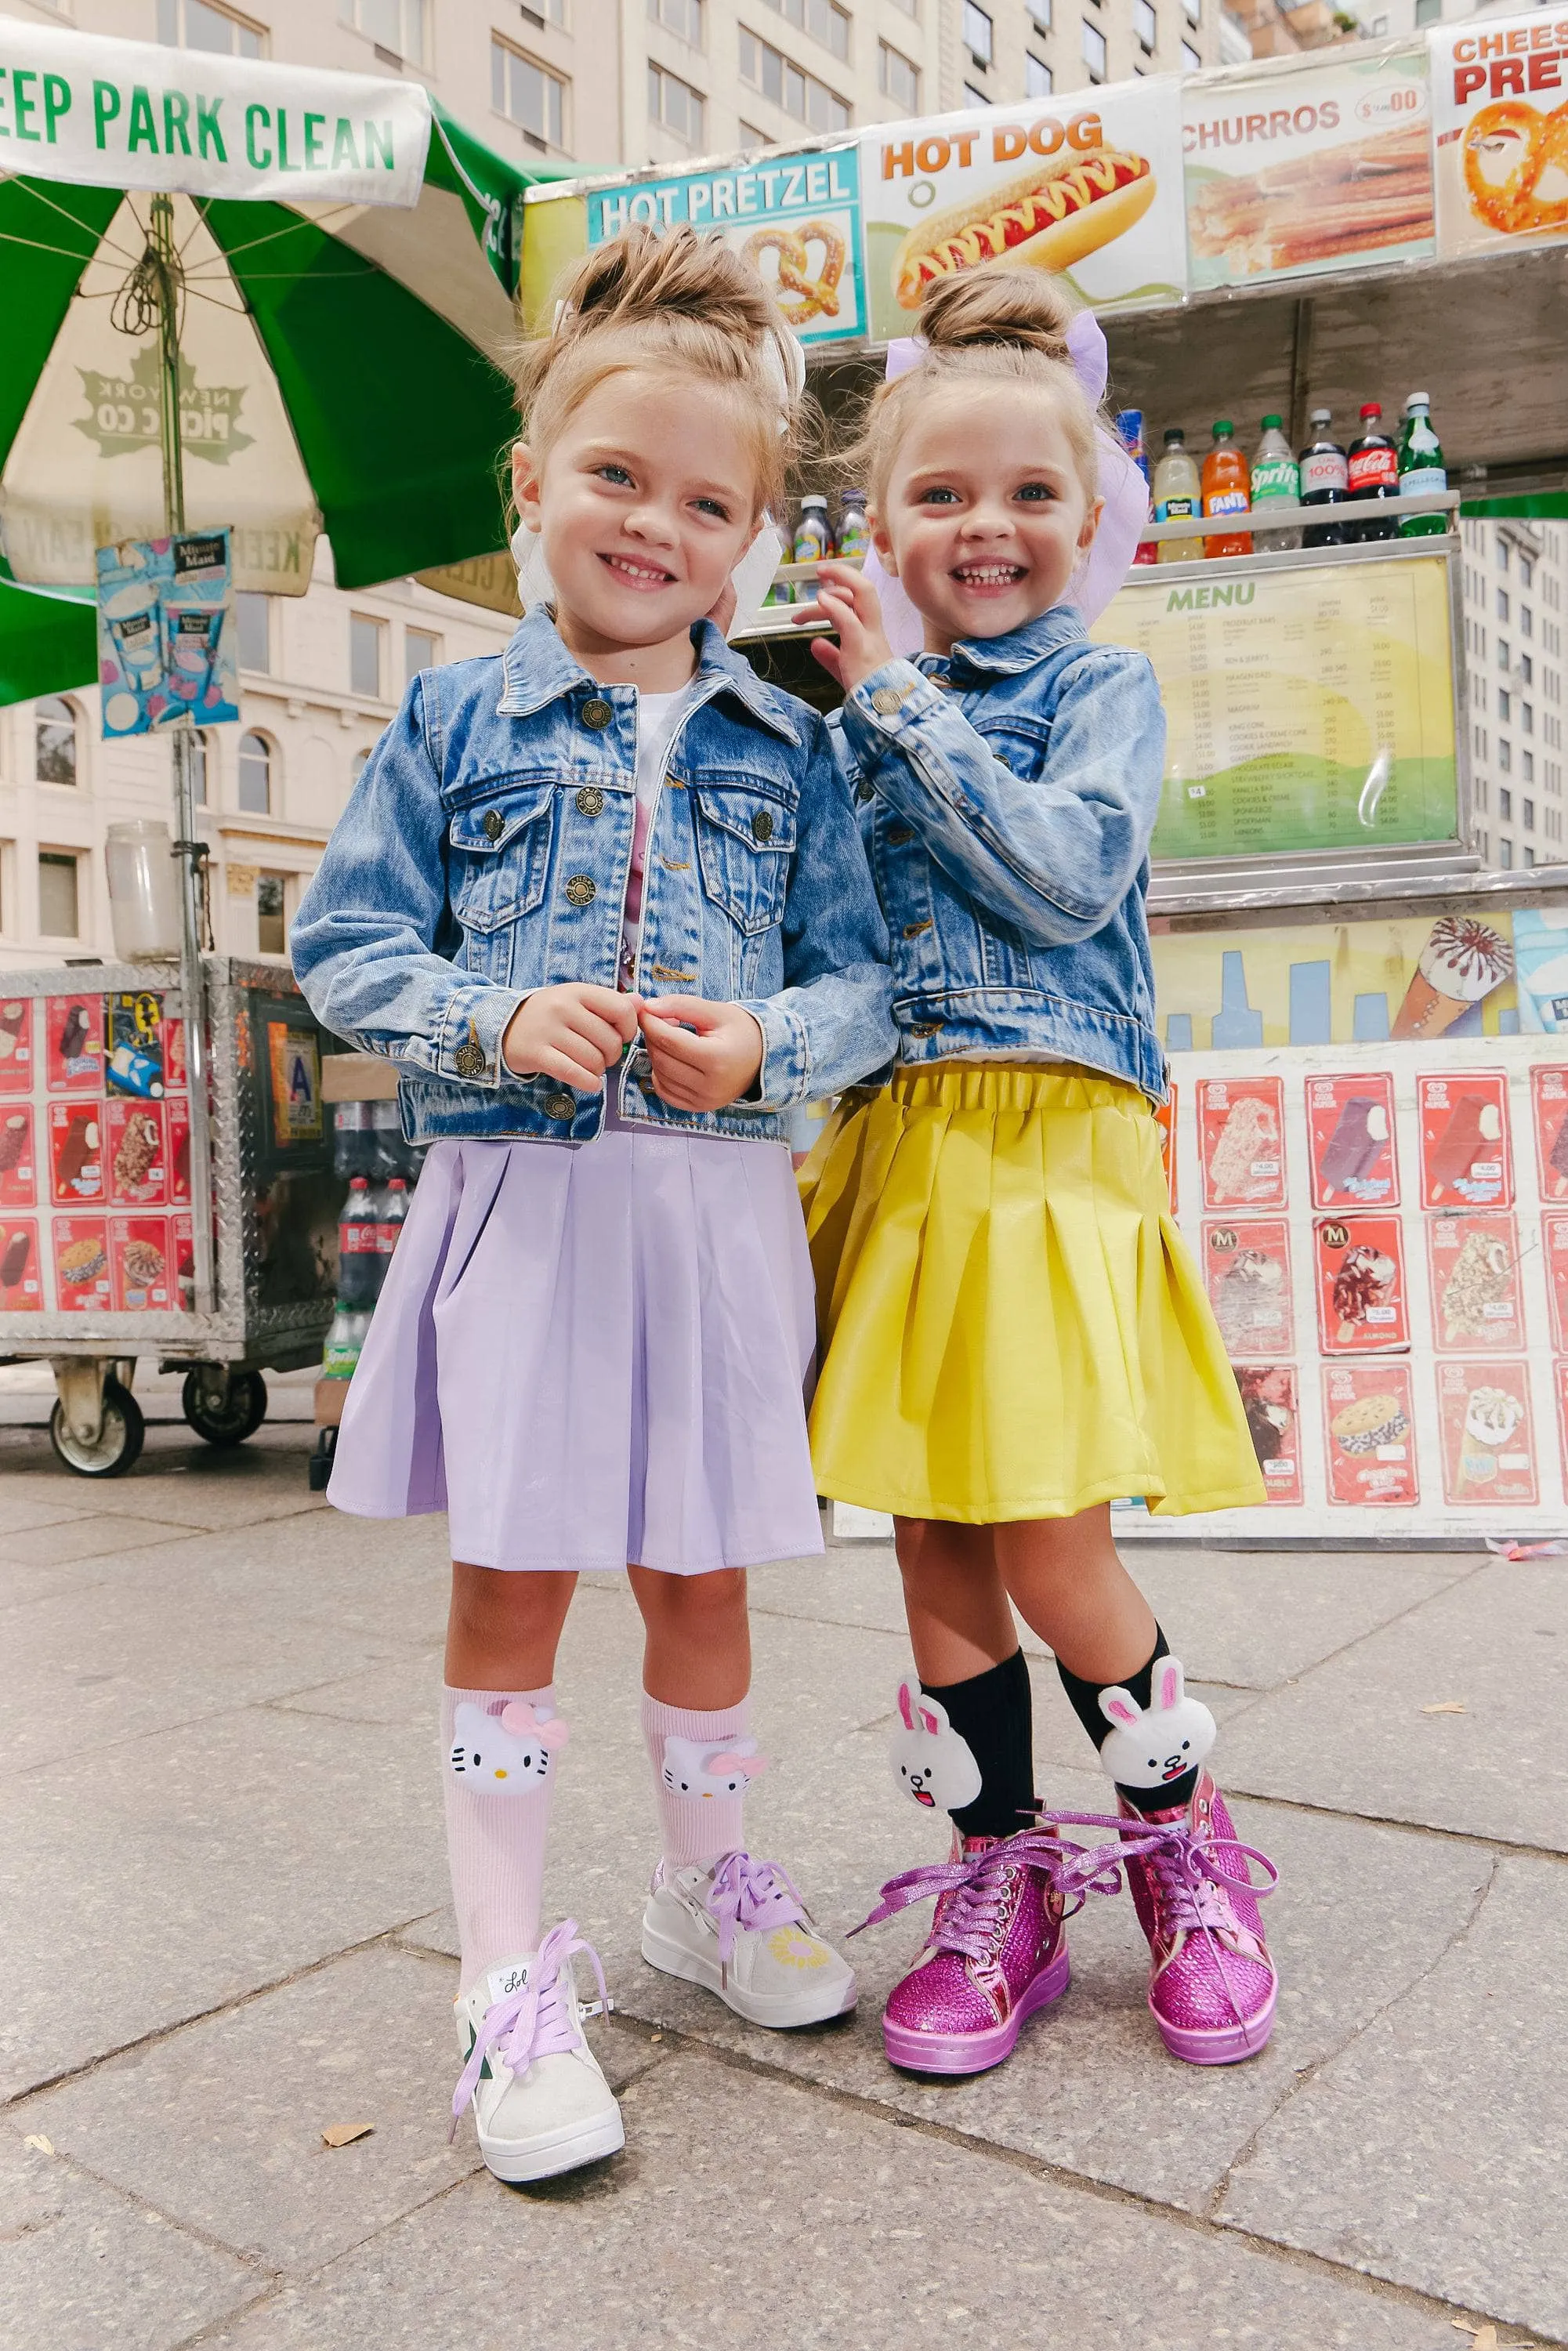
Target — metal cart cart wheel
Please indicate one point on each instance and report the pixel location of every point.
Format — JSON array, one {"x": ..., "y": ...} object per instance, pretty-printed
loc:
[
  {"x": 96, "y": 1427},
  {"x": 222, "y": 1405}
]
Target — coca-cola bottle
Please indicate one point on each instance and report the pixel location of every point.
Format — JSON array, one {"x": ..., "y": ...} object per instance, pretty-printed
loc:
[
  {"x": 358, "y": 1259},
  {"x": 1374, "y": 470},
  {"x": 391, "y": 1210}
]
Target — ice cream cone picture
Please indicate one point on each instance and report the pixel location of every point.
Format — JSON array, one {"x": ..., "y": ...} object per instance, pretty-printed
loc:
[{"x": 1462, "y": 961}]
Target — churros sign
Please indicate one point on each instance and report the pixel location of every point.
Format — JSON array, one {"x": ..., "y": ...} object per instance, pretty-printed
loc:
[
  {"x": 1092, "y": 189},
  {"x": 1500, "y": 91}
]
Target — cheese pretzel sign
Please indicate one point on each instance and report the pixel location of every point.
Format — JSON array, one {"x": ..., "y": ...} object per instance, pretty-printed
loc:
[
  {"x": 801, "y": 296},
  {"x": 1509, "y": 149}
]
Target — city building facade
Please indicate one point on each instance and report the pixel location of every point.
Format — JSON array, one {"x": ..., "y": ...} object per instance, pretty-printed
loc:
[{"x": 1515, "y": 588}]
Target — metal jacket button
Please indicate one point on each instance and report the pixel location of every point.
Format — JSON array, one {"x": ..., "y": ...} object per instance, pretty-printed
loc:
[
  {"x": 581, "y": 890},
  {"x": 887, "y": 699},
  {"x": 897, "y": 834},
  {"x": 762, "y": 826},
  {"x": 560, "y": 1106},
  {"x": 495, "y": 824},
  {"x": 597, "y": 713},
  {"x": 913, "y": 930},
  {"x": 589, "y": 801},
  {"x": 469, "y": 1058}
]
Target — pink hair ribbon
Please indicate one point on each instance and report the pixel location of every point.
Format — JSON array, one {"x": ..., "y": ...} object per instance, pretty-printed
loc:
[{"x": 1122, "y": 485}]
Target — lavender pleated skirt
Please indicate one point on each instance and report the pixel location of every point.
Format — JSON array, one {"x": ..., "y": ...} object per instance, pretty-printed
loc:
[{"x": 592, "y": 1355}]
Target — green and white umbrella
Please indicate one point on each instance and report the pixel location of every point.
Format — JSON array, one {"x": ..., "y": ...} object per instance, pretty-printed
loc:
[{"x": 344, "y": 261}]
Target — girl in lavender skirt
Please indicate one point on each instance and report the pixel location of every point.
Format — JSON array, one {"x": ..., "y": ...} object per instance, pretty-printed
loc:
[{"x": 603, "y": 901}]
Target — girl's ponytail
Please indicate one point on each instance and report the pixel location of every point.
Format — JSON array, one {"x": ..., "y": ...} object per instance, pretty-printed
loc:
[{"x": 987, "y": 307}]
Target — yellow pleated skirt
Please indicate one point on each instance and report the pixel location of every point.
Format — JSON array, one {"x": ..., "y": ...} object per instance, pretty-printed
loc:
[{"x": 1010, "y": 1325}]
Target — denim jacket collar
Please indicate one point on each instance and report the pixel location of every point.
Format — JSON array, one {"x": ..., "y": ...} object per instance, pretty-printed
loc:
[
  {"x": 536, "y": 669},
  {"x": 1019, "y": 650}
]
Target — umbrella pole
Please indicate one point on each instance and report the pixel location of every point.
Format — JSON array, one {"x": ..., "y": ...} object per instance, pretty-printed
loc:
[{"x": 191, "y": 851}]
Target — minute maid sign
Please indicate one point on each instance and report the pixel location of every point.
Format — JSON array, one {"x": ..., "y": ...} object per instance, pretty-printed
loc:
[{"x": 129, "y": 114}]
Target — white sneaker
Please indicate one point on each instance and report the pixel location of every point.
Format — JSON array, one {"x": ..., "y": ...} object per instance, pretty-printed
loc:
[
  {"x": 540, "y": 2103},
  {"x": 737, "y": 1926}
]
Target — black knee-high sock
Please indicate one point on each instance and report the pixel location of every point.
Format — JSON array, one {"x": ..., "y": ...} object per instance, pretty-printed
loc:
[
  {"x": 993, "y": 1714},
  {"x": 1085, "y": 1701}
]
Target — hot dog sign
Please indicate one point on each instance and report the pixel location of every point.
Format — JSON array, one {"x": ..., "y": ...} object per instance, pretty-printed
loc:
[
  {"x": 1091, "y": 189},
  {"x": 1499, "y": 93}
]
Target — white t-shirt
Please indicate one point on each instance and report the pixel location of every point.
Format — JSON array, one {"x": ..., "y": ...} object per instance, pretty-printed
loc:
[{"x": 658, "y": 716}]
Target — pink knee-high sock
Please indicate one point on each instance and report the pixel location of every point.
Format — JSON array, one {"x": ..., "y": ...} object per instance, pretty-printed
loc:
[
  {"x": 499, "y": 1765},
  {"x": 706, "y": 1819}
]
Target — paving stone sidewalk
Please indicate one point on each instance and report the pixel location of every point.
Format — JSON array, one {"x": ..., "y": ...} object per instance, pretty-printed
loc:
[{"x": 225, "y": 1929}]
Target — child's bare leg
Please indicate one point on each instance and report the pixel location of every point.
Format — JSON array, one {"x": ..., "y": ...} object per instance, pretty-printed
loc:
[
  {"x": 960, "y": 1621},
  {"x": 697, "y": 1648},
  {"x": 503, "y": 1627},
  {"x": 1070, "y": 1586}
]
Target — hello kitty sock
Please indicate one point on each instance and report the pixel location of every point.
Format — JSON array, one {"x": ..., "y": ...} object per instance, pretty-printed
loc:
[
  {"x": 1168, "y": 1786},
  {"x": 499, "y": 1764},
  {"x": 702, "y": 1761}
]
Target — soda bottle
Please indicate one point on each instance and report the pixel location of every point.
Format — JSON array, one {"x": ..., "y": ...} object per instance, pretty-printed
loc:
[
  {"x": 354, "y": 1138},
  {"x": 1130, "y": 433},
  {"x": 1325, "y": 479},
  {"x": 1178, "y": 491},
  {"x": 855, "y": 530},
  {"x": 358, "y": 1265},
  {"x": 345, "y": 1341},
  {"x": 1275, "y": 475},
  {"x": 391, "y": 1210},
  {"x": 1227, "y": 490},
  {"x": 1373, "y": 467},
  {"x": 388, "y": 1151},
  {"x": 814, "y": 541},
  {"x": 1421, "y": 466}
]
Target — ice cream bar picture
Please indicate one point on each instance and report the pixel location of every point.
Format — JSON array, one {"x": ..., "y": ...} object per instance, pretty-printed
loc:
[
  {"x": 1350, "y": 1130},
  {"x": 75, "y": 1137},
  {"x": 1463, "y": 960},
  {"x": 1465, "y": 1156},
  {"x": 16, "y": 1045},
  {"x": 1549, "y": 1096},
  {"x": 20, "y": 1286}
]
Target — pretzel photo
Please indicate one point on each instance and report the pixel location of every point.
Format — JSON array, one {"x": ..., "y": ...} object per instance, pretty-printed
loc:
[
  {"x": 1533, "y": 143},
  {"x": 801, "y": 296}
]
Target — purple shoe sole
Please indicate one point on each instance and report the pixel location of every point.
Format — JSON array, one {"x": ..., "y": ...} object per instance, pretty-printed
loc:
[
  {"x": 1226, "y": 2044},
  {"x": 976, "y": 2052}
]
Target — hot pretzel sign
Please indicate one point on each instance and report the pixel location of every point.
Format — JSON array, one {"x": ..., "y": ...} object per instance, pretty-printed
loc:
[{"x": 1500, "y": 89}]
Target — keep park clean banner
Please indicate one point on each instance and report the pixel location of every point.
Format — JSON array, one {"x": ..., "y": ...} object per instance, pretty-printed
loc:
[{"x": 131, "y": 114}]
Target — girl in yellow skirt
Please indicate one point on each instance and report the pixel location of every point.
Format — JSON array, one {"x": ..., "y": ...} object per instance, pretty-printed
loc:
[{"x": 1013, "y": 1334}]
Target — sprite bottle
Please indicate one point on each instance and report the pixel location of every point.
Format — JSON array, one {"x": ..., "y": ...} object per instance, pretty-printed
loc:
[{"x": 1421, "y": 466}]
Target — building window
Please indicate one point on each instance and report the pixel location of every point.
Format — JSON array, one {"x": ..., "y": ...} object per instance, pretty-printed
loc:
[
  {"x": 528, "y": 96},
  {"x": 1093, "y": 46},
  {"x": 200, "y": 751},
  {"x": 1143, "y": 23},
  {"x": 366, "y": 638},
  {"x": 1190, "y": 60},
  {"x": 1502, "y": 603},
  {"x": 681, "y": 17},
  {"x": 1480, "y": 792},
  {"x": 1038, "y": 79},
  {"x": 1528, "y": 854},
  {"x": 1194, "y": 11},
  {"x": 978, "y": 36},
  {"x": 1528, "y": 816},
  {"x": 1483, "y": 849},
  {"x": 1504, "y": 705},
  {"x": 256, "y": 774},
  {"x": 823, "y": 19},
  {"x": 1504, "y": 803},
  {"x": 1040, "y": 11},
  {"x": 800, "y": 94},
  {"x": 1502, "y": 653},
  {"x": 896, "y": 79},
  {"x": 253, "y": 616},
  {"x": 396, "y": 26},
  {"x": 977, "y": 97},
  {"x": 1505, "y": 758},
  {"x": 1505, "y": 852},
  {"x": 197, "y": 25},
  {"x": 1526, "y": 572},
  {"x": 58, "y": 917},
  {"x": 55, "y": 741},
  {"x": 420, "y": 650},
  {"x": 269, "y": 922},
  {"x": 1526, "y": 618},
  {"x": 1503, "y": 555},
  {"x": 1526, "y": 668},
  {"x": 676, "y": 104},
  {"x": 1527, "y": 716},
  {"x": 357, "y": 765}
]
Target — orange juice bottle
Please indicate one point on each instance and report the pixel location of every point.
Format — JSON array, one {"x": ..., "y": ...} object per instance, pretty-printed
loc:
[{"x": 1227, "y": 490}]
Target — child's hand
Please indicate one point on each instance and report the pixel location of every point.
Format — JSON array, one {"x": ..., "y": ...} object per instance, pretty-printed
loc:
[
  {"x": 574, "y": 1033},
  {"x": 710, "y": 1068},
  {"x": 847, "y": 599}
]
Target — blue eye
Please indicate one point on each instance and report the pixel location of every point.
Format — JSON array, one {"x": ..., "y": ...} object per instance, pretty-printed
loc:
[
  {"x": 713, "y": 506},
  {"x": 939, "y": 497},
  {"x": 1037, "y": 492},
  {"x": 616, "y": 474}
]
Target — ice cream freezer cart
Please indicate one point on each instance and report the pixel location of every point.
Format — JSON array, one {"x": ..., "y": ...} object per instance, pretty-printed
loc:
[{"x": 145, "y": 1213}]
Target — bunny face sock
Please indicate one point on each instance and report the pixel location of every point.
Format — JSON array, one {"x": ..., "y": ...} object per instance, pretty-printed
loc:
[
  {"x": 992, "y": 1715},
  {"x": 702, "y": 1762},
  {"x": 1150, "y": 1739},
  {"x": 499, "y": 1751}
]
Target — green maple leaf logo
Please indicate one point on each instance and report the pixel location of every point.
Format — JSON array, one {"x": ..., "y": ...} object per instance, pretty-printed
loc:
[{"x": 122, "y": 411}]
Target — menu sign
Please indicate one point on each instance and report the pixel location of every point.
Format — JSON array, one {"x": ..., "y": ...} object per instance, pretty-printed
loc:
[{"x": 1306, "y": 710}]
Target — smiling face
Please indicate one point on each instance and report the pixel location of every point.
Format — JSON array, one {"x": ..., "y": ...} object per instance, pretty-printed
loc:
[
  {"x": 984, "y": 515},
  {"x": 645, "y": 501}
]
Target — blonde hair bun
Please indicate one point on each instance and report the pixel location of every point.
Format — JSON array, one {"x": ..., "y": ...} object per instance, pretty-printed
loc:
[{"x": 997, "y": 306}]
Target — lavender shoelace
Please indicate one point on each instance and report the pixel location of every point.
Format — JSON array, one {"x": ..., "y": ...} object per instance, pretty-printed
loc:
[
  {"x": 751, "y": 1894},
  {"x": 977, "y": 1881},
  {"x": 539, "y": 2020}
]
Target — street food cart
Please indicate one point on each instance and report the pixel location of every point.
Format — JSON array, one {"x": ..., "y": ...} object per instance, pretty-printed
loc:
[{"x": 1367, "y": 1135}]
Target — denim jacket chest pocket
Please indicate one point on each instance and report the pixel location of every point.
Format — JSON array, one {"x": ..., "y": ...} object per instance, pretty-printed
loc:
[
  {"x": 745, "y": 835},
  {"x": 499, "y": 850},
  {"x": 1017, "y": 740}
]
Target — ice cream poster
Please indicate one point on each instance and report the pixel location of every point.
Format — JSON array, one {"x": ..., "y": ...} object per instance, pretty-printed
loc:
[
  {"x": 1499, "y": 124},
  {"x": 166, "y": 641},
  {"x": 1089, "y": 188}
]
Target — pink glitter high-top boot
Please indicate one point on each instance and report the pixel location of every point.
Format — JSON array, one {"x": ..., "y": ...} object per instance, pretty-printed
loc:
[
  {"x": 997, "y": 1951},
  {"x": 1212, "y": 1984}
]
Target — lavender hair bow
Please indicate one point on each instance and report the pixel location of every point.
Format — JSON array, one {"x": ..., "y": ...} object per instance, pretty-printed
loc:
[{"x": 1122, "y": 485}]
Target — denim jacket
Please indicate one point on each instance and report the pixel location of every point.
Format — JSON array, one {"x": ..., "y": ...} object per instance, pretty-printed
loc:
[
  {"x": 1007, "y": 797},
  {"x": 485, "y": 851}
]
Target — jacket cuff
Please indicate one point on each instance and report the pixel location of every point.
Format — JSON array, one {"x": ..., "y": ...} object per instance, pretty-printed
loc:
[
  {"x": 885, "y": 704},
  {"x": 468, "y": 1047},
  {"x": 784, "y": 1078}
]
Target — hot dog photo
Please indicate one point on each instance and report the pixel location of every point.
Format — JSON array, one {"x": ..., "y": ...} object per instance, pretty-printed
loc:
[{"x": 1090, "y": 191}]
